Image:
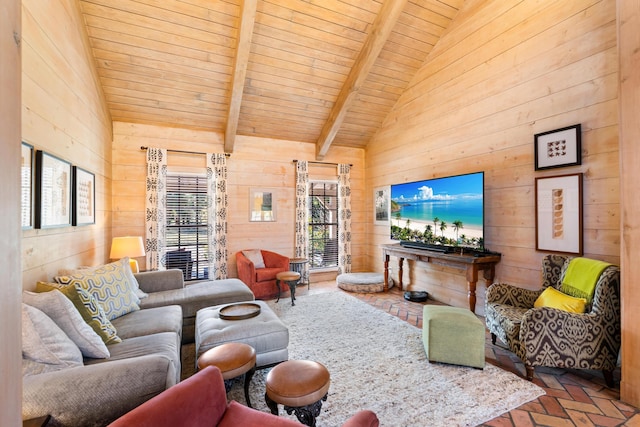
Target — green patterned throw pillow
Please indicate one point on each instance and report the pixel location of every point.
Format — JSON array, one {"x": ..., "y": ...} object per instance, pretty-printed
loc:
[
  {"x": 110, "y": 284},
  {"x": 88, "y": 307}
]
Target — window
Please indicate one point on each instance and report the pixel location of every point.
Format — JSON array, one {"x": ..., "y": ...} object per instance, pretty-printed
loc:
[
  {"x": 186, "y": 236},
  {"x": 323, "y": 224}
]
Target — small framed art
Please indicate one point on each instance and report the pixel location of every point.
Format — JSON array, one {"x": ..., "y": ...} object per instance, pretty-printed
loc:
[
  {"x": 84, "y": 200},
  {"x": 382, "y": 205},
  {"x": 262, "y": 206},
  {"x": 558, "y": 148},
  {"x": 559, "y": 214},
  {"x": 53, "y": 191}
]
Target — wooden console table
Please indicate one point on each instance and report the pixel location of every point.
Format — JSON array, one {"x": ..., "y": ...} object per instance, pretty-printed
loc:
[{"x": 472, "y": 264}]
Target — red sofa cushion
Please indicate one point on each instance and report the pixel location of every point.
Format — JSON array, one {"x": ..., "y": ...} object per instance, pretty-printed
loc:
[{"x": 265, "y": 274}]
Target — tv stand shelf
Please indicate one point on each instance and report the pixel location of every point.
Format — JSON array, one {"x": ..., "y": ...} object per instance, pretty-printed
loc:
[{"x": 472, "y": 263}]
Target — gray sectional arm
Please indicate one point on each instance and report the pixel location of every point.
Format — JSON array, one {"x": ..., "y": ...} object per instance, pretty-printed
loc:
[{"x": 98, "y": 393}]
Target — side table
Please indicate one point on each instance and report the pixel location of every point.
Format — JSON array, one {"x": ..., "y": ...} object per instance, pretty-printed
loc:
[{"x": 300, "y": 265}]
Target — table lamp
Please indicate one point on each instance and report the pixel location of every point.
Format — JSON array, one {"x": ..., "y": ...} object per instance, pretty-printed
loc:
[{"x": 128, "y": 246}]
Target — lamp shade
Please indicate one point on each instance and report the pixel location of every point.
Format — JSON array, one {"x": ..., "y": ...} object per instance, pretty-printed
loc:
[{"x": 131, "y": 246}]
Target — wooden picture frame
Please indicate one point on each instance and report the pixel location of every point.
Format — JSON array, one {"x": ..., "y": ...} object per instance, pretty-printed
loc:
[
  {"x": 558, "y": 148},
  {"x": 84, "y": 197},
  {"x": 382, "y": 205},
  {"x": 262, "y": 205},
  {"x": 26, "y": 191},
  {"x": 53, "y": 191},
  {"x": 559, "y": 214}
]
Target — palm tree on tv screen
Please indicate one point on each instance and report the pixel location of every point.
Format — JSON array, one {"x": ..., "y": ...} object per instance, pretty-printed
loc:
[{"x": 457, "y": 225}]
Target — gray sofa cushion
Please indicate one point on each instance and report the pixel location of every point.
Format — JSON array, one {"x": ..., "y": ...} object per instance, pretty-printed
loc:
[
  {"x": 150, "y": 321},
  {"x": 199, "y": 295},
  {"x": 163, "y": 344}
]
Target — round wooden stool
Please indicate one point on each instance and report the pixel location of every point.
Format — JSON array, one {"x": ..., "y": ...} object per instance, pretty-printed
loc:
[
  {"x": 233, "y": 359},
  {"x": 290, "y": 278},
  {"x": 300, "y": 386}
]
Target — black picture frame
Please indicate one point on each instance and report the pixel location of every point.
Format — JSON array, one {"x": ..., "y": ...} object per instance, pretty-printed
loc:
[
  {"x": 558, "y": 148},
  {"x": 84, "y": 197},
  {"x": 26, "y": 184},
  {"x": 52, "y": 191},
  {"x": 559, "y": 214}
]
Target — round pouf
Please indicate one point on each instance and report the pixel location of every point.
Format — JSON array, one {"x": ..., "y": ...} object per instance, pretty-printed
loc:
[
  {"x": 362, "y": 282},
  {"x": 300, "y": 386},
  {"x": 233, "y": 359}
]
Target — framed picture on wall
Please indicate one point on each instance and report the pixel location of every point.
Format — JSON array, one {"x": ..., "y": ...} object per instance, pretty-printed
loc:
[
  {"x": 382, "y": 205},
  {"x": 559, "y": 214},
  {"x": 26, "y": 184},
  {"x": 558, "y": 148},
  {"x": 52, "y": 191},
  {"x": 84, "y": 199},
  {"x": 262, "y": 205}
]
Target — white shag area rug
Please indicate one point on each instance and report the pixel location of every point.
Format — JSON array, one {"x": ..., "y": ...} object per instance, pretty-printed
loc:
[{"x": 378, "y": 362}]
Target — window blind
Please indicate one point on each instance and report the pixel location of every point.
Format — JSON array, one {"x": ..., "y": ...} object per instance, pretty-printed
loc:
[{"x": 186, "y": 234}]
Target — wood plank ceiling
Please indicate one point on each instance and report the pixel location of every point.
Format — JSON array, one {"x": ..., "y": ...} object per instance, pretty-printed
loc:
[{"x": 320, "y": 71}]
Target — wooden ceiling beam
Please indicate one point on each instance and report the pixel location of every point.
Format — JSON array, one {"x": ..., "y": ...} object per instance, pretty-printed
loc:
[
  {"x": 382, "y": 27},
  {"x": 241, "y": 61}
]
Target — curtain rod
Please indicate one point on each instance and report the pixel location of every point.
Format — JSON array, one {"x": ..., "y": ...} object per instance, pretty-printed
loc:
[
  {"x": 321, "y": 163},
  {"x": 185, "y": 152}
]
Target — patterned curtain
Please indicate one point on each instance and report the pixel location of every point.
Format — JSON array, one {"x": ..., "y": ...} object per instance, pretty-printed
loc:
[
  {"x": 155, "y": 207},
  {"x": 344, "y": 218},
  {"x": 217, "y": 215},
  {"x": 301, "y": 249}
]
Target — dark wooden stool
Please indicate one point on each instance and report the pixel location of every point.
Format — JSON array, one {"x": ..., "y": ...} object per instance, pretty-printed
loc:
[
  {"x": 300, "y": 386},
  {"x": 233, "y": 359},
  {"x": 290, "y": 278}
]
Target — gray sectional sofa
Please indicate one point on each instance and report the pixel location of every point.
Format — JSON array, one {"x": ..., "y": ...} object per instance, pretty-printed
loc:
[{"x": 143, "y": 364}]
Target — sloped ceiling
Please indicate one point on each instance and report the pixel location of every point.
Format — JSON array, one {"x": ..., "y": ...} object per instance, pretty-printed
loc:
[{"x": 319, "y": 71}]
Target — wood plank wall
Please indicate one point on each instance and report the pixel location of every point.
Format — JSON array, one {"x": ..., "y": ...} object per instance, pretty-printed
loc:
[
  {"x": 10, "y": 289},
  {"x": 64, "y": 114},
  {"x": 503, "y": 72},
  {"x": 255, "y": 163},
  {"x": 629, "y": 52}
]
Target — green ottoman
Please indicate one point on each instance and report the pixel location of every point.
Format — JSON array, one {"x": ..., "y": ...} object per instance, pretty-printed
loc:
[{"x": 453, "y": 335}]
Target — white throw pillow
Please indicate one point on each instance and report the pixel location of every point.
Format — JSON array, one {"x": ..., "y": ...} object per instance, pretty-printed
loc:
[
  {"x": 255, "y": 256},
  {"x": 62, "y": 311},
  {"x": 45, "y": 343}
]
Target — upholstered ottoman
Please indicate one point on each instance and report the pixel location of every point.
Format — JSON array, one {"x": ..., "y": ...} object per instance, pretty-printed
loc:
[
  {"x": 265, "y": 333},
  {"x": 361, "y": 282},
  {"x": 453, "y": 335}
]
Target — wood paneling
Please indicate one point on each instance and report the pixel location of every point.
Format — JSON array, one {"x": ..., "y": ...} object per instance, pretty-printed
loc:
[
  {"x": 629, "y": 51},
  {"x": 297, "y": 56},
  {"x": 10, "y": 289},
  {"x": 250, "y": 166},
  {"x": 64, "y": 113},
  {"x": 502, "y": 73}
]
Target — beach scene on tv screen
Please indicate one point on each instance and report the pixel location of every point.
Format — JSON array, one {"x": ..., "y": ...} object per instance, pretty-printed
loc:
[{"x": 448, "y": 211}]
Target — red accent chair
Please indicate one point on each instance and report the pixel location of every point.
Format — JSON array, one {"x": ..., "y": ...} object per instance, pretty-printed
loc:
[
  {"x": 262, "y": 281},
  {"x": 201, "y": 401}
]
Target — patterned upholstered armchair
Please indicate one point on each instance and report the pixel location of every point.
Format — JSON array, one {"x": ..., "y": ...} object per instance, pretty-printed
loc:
[{"x": 545, "y": 336}]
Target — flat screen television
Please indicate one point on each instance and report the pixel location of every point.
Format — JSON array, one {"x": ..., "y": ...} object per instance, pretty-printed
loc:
[{"x": 445, "y": 211}]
